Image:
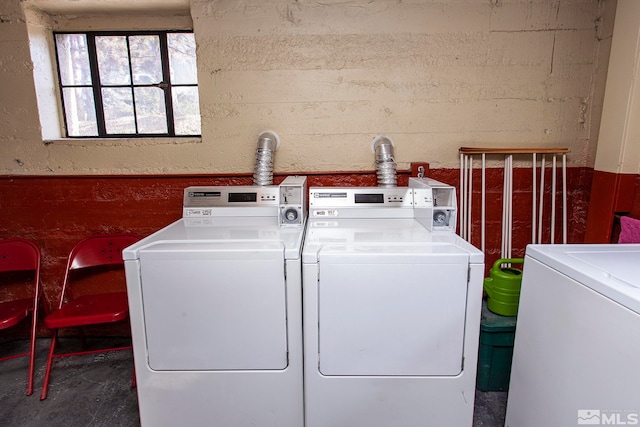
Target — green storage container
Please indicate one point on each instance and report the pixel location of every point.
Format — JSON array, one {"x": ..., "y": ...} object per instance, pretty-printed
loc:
[
  {"x": 503, "y": 287},
  {"x": 495, "y": 350}
]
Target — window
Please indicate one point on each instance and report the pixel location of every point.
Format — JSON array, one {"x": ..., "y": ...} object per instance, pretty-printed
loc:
[{"x": 117, "y": 85}]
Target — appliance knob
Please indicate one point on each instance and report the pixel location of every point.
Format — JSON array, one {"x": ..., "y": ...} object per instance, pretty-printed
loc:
[
  {"x": 291, "y": 215},
  {"x": 439, "y": 218}
]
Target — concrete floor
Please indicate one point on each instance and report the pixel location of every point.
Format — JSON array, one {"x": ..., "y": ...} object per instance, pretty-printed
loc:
[{"x": 95, "y": 390}]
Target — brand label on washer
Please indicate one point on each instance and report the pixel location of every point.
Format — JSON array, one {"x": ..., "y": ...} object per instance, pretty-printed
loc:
[
  {"x": 325, "y": 213},
  {"x": 197, "y": 212},
  {"x": 330, "y": 195}
]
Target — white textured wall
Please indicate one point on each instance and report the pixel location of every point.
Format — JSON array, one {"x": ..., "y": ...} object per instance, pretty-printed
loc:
[
  {"x": 619, "y": 150},
  {"x": 328, "y": 76}
]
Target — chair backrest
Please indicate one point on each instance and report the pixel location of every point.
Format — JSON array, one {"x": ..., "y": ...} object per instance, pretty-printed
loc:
[
  {"x": 100, "y": 249},
  {"x": 19, "y": 255}
]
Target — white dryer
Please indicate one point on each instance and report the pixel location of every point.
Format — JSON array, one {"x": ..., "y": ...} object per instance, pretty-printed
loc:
[
  {"x": 391, "y": 312},
  {"x": 216, "y": 315},
  {"x": 576, "y": 355}
]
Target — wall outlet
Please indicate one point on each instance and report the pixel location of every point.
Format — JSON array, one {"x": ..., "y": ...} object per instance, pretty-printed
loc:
[{"x": 416, "y": 168}]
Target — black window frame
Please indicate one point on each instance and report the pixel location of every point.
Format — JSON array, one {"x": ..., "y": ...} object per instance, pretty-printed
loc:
[{"x": 96, "y": 86}]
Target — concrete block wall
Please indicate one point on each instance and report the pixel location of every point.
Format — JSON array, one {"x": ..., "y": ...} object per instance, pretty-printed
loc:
[
  {"x": 434, "y": 75},
  {"x": 329, "y": 76}
]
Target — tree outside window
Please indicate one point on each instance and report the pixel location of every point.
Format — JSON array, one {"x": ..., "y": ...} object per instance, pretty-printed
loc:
[{"x": 128, "y": 84}]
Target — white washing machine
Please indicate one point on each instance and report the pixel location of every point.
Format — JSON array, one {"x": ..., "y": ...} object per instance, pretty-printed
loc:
[
  {"x": 576, "y": 356},
  {"x": 391, "y": 312},
  {"x": 216, "y": 309}
]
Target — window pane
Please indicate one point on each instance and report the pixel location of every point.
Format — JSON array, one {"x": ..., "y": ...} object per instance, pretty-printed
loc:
[
  {"x": 150, "y": 110},
  {"x": 186, "y": 110},
  {"x": 113, "y": 60},
  {"x": 73, "y": 59},
  {"x": 146, "y": 64},
  {"x": 80, "y": 111},
  {"x": 182, "y": 58},
  {"x": 127, "y": 69},
  {"x": 118, "y": 110}
]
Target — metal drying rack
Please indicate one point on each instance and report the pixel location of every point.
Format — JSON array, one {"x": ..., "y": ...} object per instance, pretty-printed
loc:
[{"x": 466, "y": 191}]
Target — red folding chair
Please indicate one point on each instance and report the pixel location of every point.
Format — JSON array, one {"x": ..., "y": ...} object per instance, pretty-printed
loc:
[
  {"x": 17, "y": 258},
  {"x": 91, "y": 261}
]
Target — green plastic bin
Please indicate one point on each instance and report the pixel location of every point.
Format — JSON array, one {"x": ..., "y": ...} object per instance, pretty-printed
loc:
[{"x": 495, "y": 351}]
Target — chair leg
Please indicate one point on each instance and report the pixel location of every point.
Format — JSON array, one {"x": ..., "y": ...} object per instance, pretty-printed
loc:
[
  {"x": 47, "y": 372},
  {"x": 133, "y": 378},
  {"x": 32, "y": 354}
]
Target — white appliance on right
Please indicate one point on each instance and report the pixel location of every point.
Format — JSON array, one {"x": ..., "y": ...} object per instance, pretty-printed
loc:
[
  {"x": 391, "y": 309},
  {"x": 576, "y": 357}
]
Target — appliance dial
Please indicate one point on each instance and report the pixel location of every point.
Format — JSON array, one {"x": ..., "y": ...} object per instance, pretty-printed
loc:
[
  {"x": 439, "y": 218},
  {"x": 291, "y": 215}
]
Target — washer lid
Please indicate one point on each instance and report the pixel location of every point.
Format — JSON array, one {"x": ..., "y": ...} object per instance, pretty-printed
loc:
[
  {"x": 243, "y": 231},
  {"x": 376, "y": 231},
  {"x": 611, "y": 270}
]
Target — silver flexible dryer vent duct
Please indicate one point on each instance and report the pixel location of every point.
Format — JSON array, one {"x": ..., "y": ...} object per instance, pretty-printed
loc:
[
  {"x": 268, "y": 143},
  {"x": 385, "y": 161}
]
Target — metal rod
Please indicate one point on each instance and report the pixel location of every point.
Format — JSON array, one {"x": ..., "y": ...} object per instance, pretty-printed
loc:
[
  {"x": 533, "y": 202},
  {"x": 469, "y": 227},
  {"x": 553, "y": 199},
  {"x": 505, "y": 183},
  {"x": 466, "y": 205},
  {"x": 540, "y": 150},
  {"x": 510, "y": 211},
  {"x": 484, "y": 197},
  {"x": 564, "y": 198},
  {"x": 463, "y": 195},
  {"x": 541, "y": 207},
  {"x": 463, "y": 198}
]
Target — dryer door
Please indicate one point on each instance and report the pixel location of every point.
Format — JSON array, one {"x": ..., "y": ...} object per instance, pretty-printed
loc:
[
  {"x": 392, "y": 310},
  {"x": 214, "y": 306}
]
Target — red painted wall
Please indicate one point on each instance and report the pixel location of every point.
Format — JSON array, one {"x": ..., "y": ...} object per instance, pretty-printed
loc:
[
  {"x": 635, "y": 204},
  {"x": 578, "y": 190},
  {"x": 612, "y": 194},
  {"x": 55, "y": 212}
]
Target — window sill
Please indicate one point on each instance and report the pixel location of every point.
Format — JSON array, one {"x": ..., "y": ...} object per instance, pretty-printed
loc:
[{"x": 144, "y": 141}]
